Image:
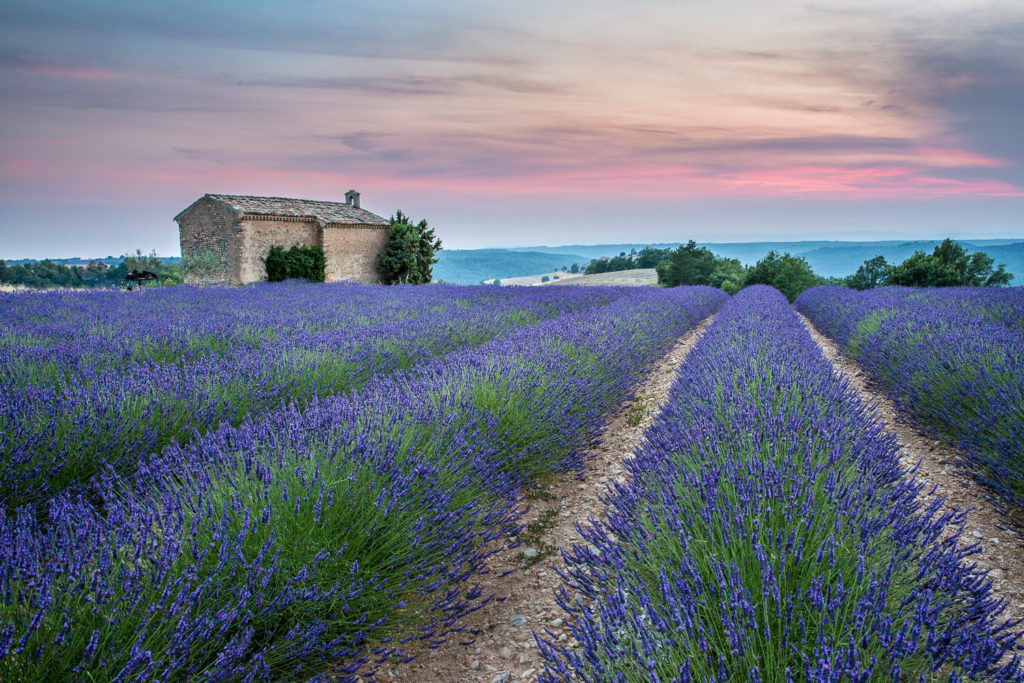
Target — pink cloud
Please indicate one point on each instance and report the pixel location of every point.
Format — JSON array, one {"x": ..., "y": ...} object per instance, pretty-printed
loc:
[
  {"x": 952, "y": 157},
  {"x": 76, "y": 73},
  {"x": 810, "y": 181}
]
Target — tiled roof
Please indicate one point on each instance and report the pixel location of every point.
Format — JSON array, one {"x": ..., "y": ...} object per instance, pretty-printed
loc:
[{"x": 324, "y": 212}]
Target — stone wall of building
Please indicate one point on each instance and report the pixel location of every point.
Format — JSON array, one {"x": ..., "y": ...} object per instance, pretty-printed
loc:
[
  {"x": 258, "y": 235},
  {"x": 238, "y": 246},
  {"x": 352, "y": 251},
  {"x": 211, "y": 229}
]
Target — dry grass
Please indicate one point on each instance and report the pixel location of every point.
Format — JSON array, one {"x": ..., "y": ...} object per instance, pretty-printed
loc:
[{"x": 635, "y": 277}]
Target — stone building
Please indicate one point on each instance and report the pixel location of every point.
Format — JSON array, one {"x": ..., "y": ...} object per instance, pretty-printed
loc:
[{"x": 238, "y": 231}]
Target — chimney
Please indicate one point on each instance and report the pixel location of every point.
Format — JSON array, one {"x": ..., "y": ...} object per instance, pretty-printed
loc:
[{"x": 352, "y": 198}]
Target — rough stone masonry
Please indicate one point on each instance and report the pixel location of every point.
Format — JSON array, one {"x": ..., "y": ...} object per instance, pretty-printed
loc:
[{"x": 238, "y": 231}]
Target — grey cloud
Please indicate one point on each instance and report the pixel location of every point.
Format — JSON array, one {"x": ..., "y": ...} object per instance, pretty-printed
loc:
[
  {"x": 405, "y": 84},
  {"x": 361, "y": 142},
  {"x": 977, "y": 83}
]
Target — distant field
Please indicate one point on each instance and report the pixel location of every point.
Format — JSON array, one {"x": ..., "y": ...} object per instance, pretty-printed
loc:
[
  {"x": 536, "y": 279},
  {"x": 638, "y": 276}
]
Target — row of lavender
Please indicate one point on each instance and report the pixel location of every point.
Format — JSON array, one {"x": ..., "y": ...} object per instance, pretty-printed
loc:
[
  {"x": 97, "y": 381},
  {"x": 952, "y": 358},
  {"x": 767, "y": 533},
  {"x": 314, "y": 541}
]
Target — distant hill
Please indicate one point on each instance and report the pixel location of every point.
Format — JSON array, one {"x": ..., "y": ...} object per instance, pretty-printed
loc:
[
  {"x": 471, "y": 266},
  {"x": 593, "y": 251}
]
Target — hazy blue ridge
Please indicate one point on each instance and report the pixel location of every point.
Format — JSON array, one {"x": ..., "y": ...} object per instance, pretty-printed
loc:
[
  {"x": 592, "y": 251},
  {"x": 470, "y": 266},
  {"x": 826, "y": 257}
]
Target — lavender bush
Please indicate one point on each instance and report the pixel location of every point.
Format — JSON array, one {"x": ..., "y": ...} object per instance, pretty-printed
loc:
[
  {"x": 317, "y": 538},
  {"x": 99, "y": 380},
  {"x": 767, "y": 533},
  {"x": 953, "y": 358}
]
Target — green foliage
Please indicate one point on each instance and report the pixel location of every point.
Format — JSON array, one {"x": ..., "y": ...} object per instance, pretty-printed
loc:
[
  {"x": 575, "y": 268},
  {"x": 786, "y": 273},
  {"x": 409, "y": 253},
  {"x": 687, "y": 265},
  {"x": 872, "y": 273},
  {"x": 299, "y": 262},
  {"x": 166, "y": 274},
  {"x": 623, "y": 261},
  {"x": 649, "y": 257},
  {"x": 728, "y": 275},
  {"x": 949, "y": 265},
  {"x": 545, "y": 279},
  {"x": 200, "y": 265},
  {"x": 46, "y": 273}
]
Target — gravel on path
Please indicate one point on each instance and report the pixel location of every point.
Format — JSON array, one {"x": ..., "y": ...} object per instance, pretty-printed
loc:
[{"x": 504, "y": 648}]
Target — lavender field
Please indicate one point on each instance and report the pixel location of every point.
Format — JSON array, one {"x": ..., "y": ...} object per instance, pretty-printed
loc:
[
  {"x": 305, "y": 482},
  {"x": 286, "y": 482},
  {"x": 952, "y": 358},
  {"x": 768, "y": 533}
]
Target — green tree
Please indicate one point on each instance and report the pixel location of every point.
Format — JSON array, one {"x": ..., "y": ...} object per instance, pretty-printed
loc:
[
  {"x": 728, "y": 275},
  {"x": 687, "y": 265},
  {"x": 139, "y": 261},
  {"x": 786, "y": 273},
  {"x": 575, "y": 268},
  {"x": 872, "y": 273},
  {"x": 604, "y": 264},
  {"x": 545, "y": 279},
  {"x": 95, "y": 272},
  {"x": 949, "y": 265},
  {"x": 649, "y": 257},
  {"x": 409, "y": 253}
]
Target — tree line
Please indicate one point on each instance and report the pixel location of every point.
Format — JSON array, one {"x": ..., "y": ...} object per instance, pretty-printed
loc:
[
  {"x": 949, "y": 265},
  {"x": 96, "y": 273}
]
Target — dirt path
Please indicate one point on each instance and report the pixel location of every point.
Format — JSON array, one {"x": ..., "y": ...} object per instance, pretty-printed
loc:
[
  {"x": 505, "y": 649},
  {"x": 1001, "y": 552}
]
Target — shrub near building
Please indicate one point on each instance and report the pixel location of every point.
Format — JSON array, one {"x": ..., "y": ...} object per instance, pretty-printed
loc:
[{"x": 297, "y": 263}]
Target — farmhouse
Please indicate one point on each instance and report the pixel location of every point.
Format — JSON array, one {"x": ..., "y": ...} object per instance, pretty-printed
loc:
[{"x": 238, "y": 231}]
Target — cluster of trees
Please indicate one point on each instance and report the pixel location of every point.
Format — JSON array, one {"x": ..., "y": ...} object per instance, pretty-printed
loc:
[
  {"x": 690, "y": 264},
  {"x": 648, "y": 257},
  {"x": 949, "y": 265},
  {"x": 46, "y": 273}
]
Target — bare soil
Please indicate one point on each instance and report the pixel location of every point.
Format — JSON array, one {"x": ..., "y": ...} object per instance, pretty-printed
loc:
[
  {"x": 1000, "y": 549},
  {"x": 504, "y": 649}
]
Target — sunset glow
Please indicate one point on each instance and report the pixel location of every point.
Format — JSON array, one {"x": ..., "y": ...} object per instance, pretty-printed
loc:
[{"x": 114, "y": 119}]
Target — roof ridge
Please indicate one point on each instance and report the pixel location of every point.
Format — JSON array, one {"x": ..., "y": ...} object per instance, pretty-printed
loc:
[
  {"x": 287, "y": 199},
  {"x": 322, "y": 210}
]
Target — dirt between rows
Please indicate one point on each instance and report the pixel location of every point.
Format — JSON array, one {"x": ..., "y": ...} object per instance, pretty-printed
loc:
[
  {"x": 1001, "y": 551},
  {"x": 505, "y": 649}
]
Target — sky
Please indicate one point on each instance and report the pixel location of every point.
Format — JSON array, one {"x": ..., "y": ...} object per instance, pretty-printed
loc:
[{"x": 515, "y": 123}]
